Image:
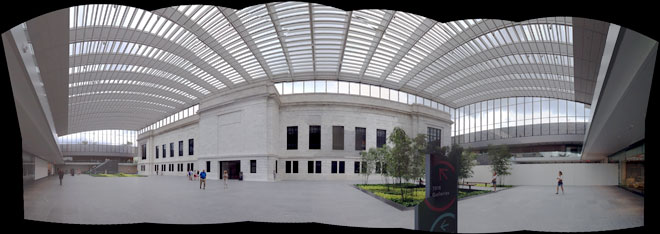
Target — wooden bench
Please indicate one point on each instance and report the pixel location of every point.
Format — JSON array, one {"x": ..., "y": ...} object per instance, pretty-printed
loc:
[{"x": 470, "y": 184}]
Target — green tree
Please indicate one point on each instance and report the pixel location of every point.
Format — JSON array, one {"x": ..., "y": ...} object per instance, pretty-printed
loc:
[
  {"x": 400, "y": 154},
  {"x": 417, "y": 158},
  {"x": 369, "y": 162},
  {"x": 418, "y": 147},
  {"x": 384, "y": 156},
  {"x": 500, "y": 158},
  {"x": 465, "y": 164}
]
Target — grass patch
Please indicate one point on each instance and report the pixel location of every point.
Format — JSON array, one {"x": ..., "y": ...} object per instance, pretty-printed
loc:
[
  {"x": 412, "y": 199},
  {"x": 491, "y": 185},
  {"x": 466, "y": 193},
  {"x": 413, "y": 195},
  {"x": 117, "y": 175}
]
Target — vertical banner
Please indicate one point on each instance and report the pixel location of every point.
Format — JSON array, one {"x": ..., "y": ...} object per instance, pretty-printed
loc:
[{"x": 438, "y": 211}]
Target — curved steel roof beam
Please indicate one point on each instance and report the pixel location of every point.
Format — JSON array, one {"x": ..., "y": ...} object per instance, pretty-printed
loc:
[{"x": 139, "y": 77}]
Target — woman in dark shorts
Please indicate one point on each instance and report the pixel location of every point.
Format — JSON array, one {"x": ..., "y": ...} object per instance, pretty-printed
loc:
[
  {"x": 494, "y": 181},
  {"x": 560, "y": 183}
]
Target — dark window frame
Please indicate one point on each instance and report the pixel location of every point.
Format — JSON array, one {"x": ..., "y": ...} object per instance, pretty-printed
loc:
[
  {"x": 360, "y": 138},
  {"x": 156, "y": 151},
  {"x": 356, "y": 167},
  {"x": 208, "y": 166},
  {"x": 144, "y": 151},
  {"x": 287, "y": 167},
  {"x": 292, "y": 137},
  {"x": 381, "y": 137},
  {"x": 333, "y": 168},
  {"x": 338, "y": 137},
  {"x": 253, "y": 166},
  {"x": 310, "y": 167},
  {"x": 317, "y": 167},
  {"x": 180, "y": 148},
  {"x": 342, "y": 167},
  {"x": 191, "y": 146},
  {"x": 315, "y": 137},
  {"x": 295, "y": 167},
  {"x": 171, "y": 149}
]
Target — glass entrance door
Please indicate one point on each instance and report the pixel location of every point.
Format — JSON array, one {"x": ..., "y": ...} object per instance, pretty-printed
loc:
[{"x": 233, "y": 168}]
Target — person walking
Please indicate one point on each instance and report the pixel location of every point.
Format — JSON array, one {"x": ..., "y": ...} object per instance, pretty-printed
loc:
[
  {"x": 202, "y": 179},
  {"x": 61, "y": 174},
  {"x": 190, "y": 175},
  {"x": 494, "y": 181},
  {"x": 225, "y": 176},
  {"x": 560, "y": 183},
  {"x": 196, "y": 175}
]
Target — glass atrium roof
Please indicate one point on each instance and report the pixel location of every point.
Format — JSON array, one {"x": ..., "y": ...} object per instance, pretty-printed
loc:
[{"x": 143, "y": 66}]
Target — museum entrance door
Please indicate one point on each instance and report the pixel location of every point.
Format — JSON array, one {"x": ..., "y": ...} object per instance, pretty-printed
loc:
[{"x": 232, "y": 167}]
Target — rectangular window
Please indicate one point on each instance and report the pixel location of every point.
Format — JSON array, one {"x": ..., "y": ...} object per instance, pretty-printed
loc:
[
  {"x": 314, "y": 137},
  {"x": 144, "y": 152},
  {"x": 356, "y": 168},
  {"x": 360, "y": 138},
  {"x": 171, "y": 149},
  {"x": 377, "y": 167},
  {"x": 310, "y": 167},
  {"x": 295, "y": 166},
  {"x": 208, "y": 166},
  {"x": 380, "y": 137},
  {"x": 253, "y": 166},
  {"x": 292, "y": 137},
  {"x": 337, "y": 137},
  {"x": 180, "y": 148},
  {"x": 342, "y": 166},
  {"x": 363, "y": 166},
  {"x": 191, "y": 144},
  {"x": 318, "y": 167},
  {"x": 288, "y": 167},
  {"x": 434, "y": 135},
  {"x": 156, "y": 151},
  {"x": 334, "y": 167}
]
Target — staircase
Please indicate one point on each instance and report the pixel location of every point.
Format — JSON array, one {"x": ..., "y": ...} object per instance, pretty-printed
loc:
[{"x": 109, "y": 167}]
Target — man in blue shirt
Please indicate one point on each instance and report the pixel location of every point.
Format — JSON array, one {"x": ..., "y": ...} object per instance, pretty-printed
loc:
[{"x": 202, "y": 179}]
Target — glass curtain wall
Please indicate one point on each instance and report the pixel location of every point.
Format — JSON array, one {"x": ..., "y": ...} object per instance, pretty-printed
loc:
[
  {"x": 518, "y": 117},
  {"x": 116, "y": 141},
  {"x": 352, "y": 88}
]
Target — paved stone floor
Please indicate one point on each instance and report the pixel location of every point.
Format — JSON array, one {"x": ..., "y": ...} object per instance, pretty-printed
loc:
[
  {"x": 538, "y": 208},
  {"x": 168, "y": 199},
  {"x": 83, "y": 199}
]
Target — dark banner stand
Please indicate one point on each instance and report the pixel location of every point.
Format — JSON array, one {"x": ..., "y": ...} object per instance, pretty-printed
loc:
[{"x": 438, "y": 211}]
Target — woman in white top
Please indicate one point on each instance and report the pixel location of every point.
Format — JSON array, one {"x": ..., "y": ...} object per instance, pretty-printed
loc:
[
  {"x": 225, "y": 176},
  {"x": 560, "y": 183}
]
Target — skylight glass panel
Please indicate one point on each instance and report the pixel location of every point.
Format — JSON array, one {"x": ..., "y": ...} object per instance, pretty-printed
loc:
[
  {"x": 260, "y": 28},
  {"x": 399, "y": 30},
  {"x": 363, "y": 28},
  {"x": 217, "y": 25},
  {"x": 427, "y": 44}
]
